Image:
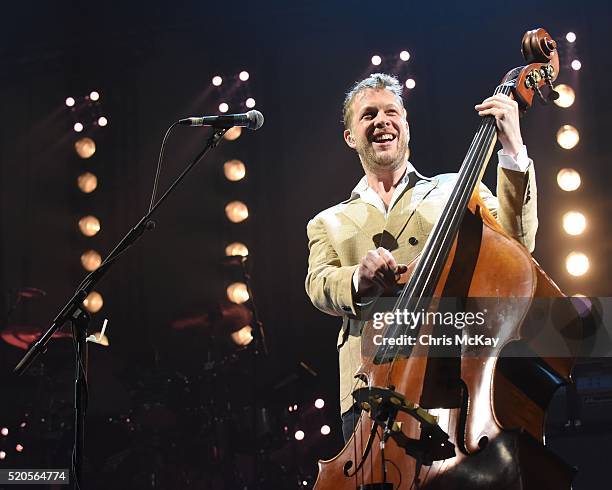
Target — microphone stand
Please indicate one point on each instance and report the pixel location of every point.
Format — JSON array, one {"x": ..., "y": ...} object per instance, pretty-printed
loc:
[{"x": 75, "y": 313}]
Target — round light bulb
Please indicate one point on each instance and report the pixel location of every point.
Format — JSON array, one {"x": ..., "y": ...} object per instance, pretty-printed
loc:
[
  {"x": 568, "y": 179},
  {"x": 568, "y": 137},
  {"x": 577, "y": 263}
]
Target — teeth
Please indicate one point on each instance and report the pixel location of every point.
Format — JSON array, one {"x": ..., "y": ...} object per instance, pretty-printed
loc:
[{"x": 384, "y": 137}]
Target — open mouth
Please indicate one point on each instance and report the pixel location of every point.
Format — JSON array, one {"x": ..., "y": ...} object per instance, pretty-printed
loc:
[{"x": 383, "y": 138}]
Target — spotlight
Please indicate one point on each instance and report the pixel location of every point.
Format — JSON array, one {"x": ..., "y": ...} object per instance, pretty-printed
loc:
[
  {"x": 223, "y": 107},
  {"x": 94, "y": 302},
  {"x": 70, "y": 101},
  {"x": 19, "y": 448},
  {"x": 574, "y": 223},
  {"x": 571, "y": 37},
  {"x": 404, "y": 56},
  {"x": 234, "y": 170},
  {"x": 85, "y": 147},
  {"x": 567, "y": 136},
  {"x": 567, "y": 96},
  {"x": 87, "y": 182},
  {"x": 78, "y": 127},
  {"x": 376, "y": 60},
  {"x": 319, "y": 403},
  {"x": 233, "y": 133},
  {"x": 4, "y": 431},
  {"x": 2, "y": 455},
  {"x": 102, "y": 121},
  {"x": 236, "y": 248},
  {"x": 91, "y": 260},
  {"x": 217, "y": 80},
  {"x": 236, "y": 211},
  {"x": 577, "y": 263},
  {"x": 325, "y": 430},
  {"x": 89, "y": 225},
  {"x": 299, "y": 435},
  {"x": 94, "y": 96},
  {"x": 576, "y": 65},
  {"x": 568, "y": 179},
  {"x": 410, "y": 83},
  {"x": 244, "y": 336},
  {"x": 237, "y": 293},
  {"x": 244, "y": 76},
  {"x": 250, "y": 102}
]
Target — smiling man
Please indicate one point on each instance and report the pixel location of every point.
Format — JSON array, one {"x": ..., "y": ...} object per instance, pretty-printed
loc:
[{"x": 359, "y": 247}]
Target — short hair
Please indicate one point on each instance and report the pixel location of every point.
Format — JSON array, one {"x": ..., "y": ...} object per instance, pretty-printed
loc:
[{"x": 374, "y": 81}]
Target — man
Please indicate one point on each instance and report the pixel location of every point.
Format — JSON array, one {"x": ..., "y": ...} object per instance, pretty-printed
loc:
[{"x": 360, "y": 246}]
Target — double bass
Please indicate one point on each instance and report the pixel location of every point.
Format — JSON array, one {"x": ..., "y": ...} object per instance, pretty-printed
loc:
[{"x": 449, "y": 418}]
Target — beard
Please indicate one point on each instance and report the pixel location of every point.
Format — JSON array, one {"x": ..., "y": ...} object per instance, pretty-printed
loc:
[{"x": 379, "y": 162}]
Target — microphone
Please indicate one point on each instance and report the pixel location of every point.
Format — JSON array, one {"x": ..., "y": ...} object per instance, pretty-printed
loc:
[{"x": 251, "y": 120}]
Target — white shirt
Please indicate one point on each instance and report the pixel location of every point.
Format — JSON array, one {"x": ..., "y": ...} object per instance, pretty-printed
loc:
[{"x": 366, "y": 193}]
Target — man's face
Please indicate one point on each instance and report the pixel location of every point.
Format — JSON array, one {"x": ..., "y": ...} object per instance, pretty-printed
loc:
[{"x": 378, "y": 130}]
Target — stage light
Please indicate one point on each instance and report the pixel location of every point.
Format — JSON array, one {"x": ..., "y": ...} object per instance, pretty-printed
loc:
[
  {"x": 70, "y": 101},
  {"x": 376, "y": 60},
  {"x": 236, "y": 248},
  {"x": 19, "y": 448},
  {"x": 23, "y": 424},
  {"x": 217, "y": 80},
  {"x": 410, "y": 83},
  {"x": 87, "y": 182},
  {"x": 404, "y": 56},
  {"x": 233, "y": 133},
  {"x": 244, "y": 76},
  {"x": 568, "y": 179},
  {"x": 78, "y": 127},
  {"x": 234, "y": 170},
  {"x": 94, "y": 96},
  {"x": 250, "y": 102},
  {"x": 94, "y": 302},
  {"x": 574, "y": 223},
  {"x": 236, "y": 211},
  {"x": 4, "y": 431},
  {"x": 299, "y": 435},
  {"x": 576, "y": 65},
  {"x": 91, "y": 260},
  {"x": 244, "y": 336},
  {"x": 319, "y": 403},
  {"x": 102, "y": 121},
  {"x": 325, "y": 430},
  {"x": 571, "y": 37},
  {"x": 567, "y": 96},
  {"x": 2, "y": 455},
  {"x": 568, "y": 136},
  {"x": 238, "y": 293},
  {"x": 85, "y": 147},
  {"x": 223, "y": 107},
  {"x": 577, "y": 263},
  {"x": 89, "y": 225}
]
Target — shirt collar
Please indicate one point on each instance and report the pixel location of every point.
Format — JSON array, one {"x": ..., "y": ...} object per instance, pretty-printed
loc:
[{"x": 363, "y": 185}]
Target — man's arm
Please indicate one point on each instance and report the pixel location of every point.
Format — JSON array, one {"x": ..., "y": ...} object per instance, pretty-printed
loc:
[{"x": 328, "y": 283}]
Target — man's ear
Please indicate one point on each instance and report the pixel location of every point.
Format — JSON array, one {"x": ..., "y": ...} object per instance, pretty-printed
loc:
[{"x": 350, "y": 141}]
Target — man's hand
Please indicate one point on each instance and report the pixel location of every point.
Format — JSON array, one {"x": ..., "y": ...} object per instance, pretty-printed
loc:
[
  {"x": 506, "y": 113},
  {"x": 378, "y": 273}
]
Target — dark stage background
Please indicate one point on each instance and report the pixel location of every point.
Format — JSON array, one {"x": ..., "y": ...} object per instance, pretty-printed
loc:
[{"x": 152, "y": 62}]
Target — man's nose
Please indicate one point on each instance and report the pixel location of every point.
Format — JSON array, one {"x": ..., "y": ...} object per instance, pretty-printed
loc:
[{"x": 381, "y": 120}]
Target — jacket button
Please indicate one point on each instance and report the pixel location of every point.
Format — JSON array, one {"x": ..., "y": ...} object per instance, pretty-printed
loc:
[{"x": 412, "y": 240}]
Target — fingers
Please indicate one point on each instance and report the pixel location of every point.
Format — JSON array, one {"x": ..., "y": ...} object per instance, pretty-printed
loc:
[
  {"x": 379, "y": 268},
  {"x": 498, "y": 105}
]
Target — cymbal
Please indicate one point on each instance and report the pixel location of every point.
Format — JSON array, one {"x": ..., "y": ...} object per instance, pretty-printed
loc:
[
  {"x": 221, "y": 317},
  {"x": 21, "y": 336}
]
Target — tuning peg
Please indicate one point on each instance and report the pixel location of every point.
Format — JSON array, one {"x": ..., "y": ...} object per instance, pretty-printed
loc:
[{"x": 553, "y": 94}]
